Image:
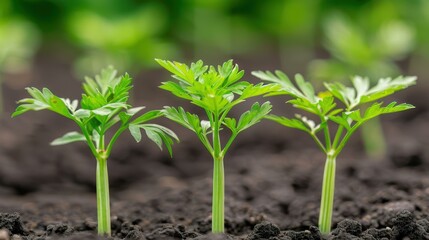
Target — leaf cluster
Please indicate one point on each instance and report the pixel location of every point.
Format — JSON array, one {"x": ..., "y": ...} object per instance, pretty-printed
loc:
[
  {"x": 216, "y": 90},
  {"x": 104, "y": 104},
  {"x": 347, "y": 107}
]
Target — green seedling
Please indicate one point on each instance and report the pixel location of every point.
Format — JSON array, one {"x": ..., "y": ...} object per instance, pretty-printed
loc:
[
  {"x": 216, "y": 91},
  {"x": 355, "y": 47},
  {"x": 358, "y": 105},
  {"x": 104, "y": 104}
]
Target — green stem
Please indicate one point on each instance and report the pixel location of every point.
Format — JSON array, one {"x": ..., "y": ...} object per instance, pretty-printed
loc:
[
  {"x": 327, "y": 200},
  {"x": 1, "y": 97},
  {"x": 228, "y": 144},
  {"x": 218, "y": 218},
  {"x": 373, "y": 139},
  {"x": 88, "y": 140},
  {"x": 114, "y": 138},
  {"x": 217, "y": 148},
  {"x": 345, "y": 139},
  {"x": 103, "y": 202},
  {"x": 338, "y": 136},
  {"x": 319, "y": 143}
]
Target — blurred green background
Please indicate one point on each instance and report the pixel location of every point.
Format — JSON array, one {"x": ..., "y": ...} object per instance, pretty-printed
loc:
[
  {"x": 334, "y": 38},
  {"x": 54, "y": 42}
]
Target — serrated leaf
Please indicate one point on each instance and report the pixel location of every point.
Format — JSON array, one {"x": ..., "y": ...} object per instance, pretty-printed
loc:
[
  {"x": 44, "y": 99},
  {"x": 82, "y": 113},
  {"x": 126, "y": 116},
  {"x": 355, "y": 115},
  {"x": 289, "y": 122},
  {"x": 230, "y": 123},
  {"x": 258, "y": 90},
  {"x": 135, "y": 132},
  {"x": 148, "y": 116},
  {"x": 180, "y": 70},
  {"x": 102, "y": 111},
  {"x": 253, "y": 116},
  {"x": 176, "y": 89},
  {"x": 341, "y": 120},
  {"x": 69, "y": 138},
  {"x": 186, "y": 119},
  {"x": 386, "y": 87},
  {"x": 158, "y": 134},
  {"x": 376, "y": 109}
]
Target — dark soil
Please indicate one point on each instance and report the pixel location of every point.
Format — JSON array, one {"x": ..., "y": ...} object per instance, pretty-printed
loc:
[{"x": 273, "y": 180}]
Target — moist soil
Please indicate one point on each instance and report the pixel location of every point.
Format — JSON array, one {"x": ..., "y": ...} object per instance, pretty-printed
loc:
[{"x": 273, "y": 180}]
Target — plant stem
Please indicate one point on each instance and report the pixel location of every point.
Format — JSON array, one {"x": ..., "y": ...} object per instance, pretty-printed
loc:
[
  {"x": 327, "y": 200},
  {"x": 373, "y": 139},
  {"x": 1, "y": 97},
  {"x": 103, "y": 202},
  {"x": 218, "y": 218}
]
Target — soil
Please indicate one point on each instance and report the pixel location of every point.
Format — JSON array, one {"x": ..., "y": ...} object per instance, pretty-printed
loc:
[{"x": 273, "y": 179}]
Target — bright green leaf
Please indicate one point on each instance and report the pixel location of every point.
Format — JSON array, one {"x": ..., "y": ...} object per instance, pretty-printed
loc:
[{"x": 69, "y": 138}]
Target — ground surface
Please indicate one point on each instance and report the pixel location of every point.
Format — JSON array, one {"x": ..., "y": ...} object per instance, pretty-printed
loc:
[{"x": 273, "y": 181}]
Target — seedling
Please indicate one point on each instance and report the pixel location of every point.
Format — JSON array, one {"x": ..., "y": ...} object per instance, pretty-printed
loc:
[
  {"x": 104, "y": 104},
  {"x": 360, "y": 105},
  {"x": 354, "y": 46},
  {"x": 216, "y": 91}
]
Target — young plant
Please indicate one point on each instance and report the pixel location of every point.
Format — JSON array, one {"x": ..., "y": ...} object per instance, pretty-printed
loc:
[
  {"x": 216, "y": 91},
  {"x": 360, "y": 104},
  {"x": 104, "y": 104}
]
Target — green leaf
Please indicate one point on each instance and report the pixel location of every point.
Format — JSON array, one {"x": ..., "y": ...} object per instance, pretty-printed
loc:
[
  {"x": 82, "y": 113},
  {"x": 386, "y": 87},
  {"x": 341, "y": 120},
  {"x": 158, "y": 134},
  {"x": 230, "y": 123},
  {"x": 181, "y": 72},
  {"x": 69, "y": 138},
  {"x": 126, "y": 116},
  {"x": 41, "y": 100},
  {"x": 186, "y": 119},
  {"x": 253, "y": 116},
  {"x": 135, "y": 132},
  {"x": 148, "y": 116},
  {"x": 176, "y": 89},
  {"x": 289, "y": 122},
  {"x": 376, "y": 109},
  {"x": 258, "y": 90}
]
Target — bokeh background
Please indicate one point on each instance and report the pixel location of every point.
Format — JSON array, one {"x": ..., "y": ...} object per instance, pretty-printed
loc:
[{"x": 54, "y": 43}]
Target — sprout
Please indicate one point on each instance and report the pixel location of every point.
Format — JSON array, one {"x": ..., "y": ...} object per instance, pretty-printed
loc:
[
  {"x": 216, "y": 91},
  {"x": 346, "y": 121},
  {"x": 104, "y": 104}
]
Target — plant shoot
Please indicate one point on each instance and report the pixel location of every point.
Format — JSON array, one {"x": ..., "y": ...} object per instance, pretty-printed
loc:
[
  {"x": 104, "y": 104},
  {"x": 340, "y": 110},
  {"x": 216, "y": 91}
]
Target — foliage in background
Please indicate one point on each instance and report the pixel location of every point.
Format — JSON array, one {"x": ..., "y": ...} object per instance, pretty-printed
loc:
[
  {"x": 355, "y": 49},
  {"x": 127, "y": 41},
  {"x": 131, "y": 33},
  {"x": 19, "y": 40}
]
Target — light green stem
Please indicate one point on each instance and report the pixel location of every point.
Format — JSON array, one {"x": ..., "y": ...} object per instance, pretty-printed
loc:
[
  {"x": 327, "y": 201},
  {"x": 103, "y": 203},
  {"x": 373, "y": 139},
  {"x": 218, "y": 218},
  {"x": 1, "y": 97}
]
